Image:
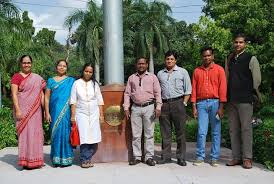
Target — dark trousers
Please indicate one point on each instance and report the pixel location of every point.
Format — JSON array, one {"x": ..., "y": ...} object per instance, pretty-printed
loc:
[
  {"x": 240, "y": 129},
  {"x": 87, "y": 151},
  {"x": 173, "y": 114}
]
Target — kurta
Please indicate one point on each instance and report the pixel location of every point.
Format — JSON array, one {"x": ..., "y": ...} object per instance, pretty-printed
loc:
[{"x": 87, "y": 99}]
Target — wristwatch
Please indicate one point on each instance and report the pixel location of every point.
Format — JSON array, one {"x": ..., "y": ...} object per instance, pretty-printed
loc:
[{"x": 185, "y": 104}]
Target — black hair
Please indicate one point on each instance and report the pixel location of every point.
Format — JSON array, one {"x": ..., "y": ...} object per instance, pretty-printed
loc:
[
  {"x": 59, "y": 61},
  {"x": 170, "y": 53},
  {"x": 142, "y": 57},
  {"x": 22, "y": 57},
  {"x": 240, "y": 35},
  {"x": 93, "y": 76},
  {"x": 203, "y": 49}
]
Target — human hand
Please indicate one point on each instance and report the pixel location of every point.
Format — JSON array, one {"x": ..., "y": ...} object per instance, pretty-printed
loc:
[
  {"x": 48, "y": 118},
  {"x": 157, "y": 113},
  {"x": 195, "y": 112},
  {"x": 101, "y": 119},
  {"x": 18, "y": 115},
  {"x": 127, "y": 113},
  {"x": 220, "y": 112}
]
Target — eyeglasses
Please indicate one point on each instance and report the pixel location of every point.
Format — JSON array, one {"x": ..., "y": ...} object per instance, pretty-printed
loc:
[{"x": 26, "y": 63}]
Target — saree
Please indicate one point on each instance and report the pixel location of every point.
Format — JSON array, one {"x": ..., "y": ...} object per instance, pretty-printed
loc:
[
  {"x": 29, "y": 128},
  {"x": 61, "y": 150}
]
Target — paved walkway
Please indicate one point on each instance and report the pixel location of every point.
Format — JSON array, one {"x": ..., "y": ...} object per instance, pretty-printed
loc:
[{"x": 122, "y": 173}]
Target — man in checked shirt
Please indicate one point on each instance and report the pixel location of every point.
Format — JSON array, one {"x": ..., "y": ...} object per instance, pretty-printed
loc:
[{"x": 143, "y": 89}]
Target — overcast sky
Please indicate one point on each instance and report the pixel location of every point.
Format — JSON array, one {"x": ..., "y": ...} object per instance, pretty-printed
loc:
[{"x": 53, "y": 17}]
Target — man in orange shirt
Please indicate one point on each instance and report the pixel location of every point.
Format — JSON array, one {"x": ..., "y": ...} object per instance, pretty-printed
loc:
[{"x": 208, "y": 97}]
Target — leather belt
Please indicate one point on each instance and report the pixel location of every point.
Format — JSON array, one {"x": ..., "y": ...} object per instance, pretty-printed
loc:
[
  {"x": 144, "y": 104},
  {"x": 172, "y": 99}
]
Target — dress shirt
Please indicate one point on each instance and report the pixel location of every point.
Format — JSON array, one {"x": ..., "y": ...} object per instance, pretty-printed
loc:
[
  {"x": 174, "y": 83},
  {"x": 208, "y": 83},
  {"x": 141, "y": 89}
]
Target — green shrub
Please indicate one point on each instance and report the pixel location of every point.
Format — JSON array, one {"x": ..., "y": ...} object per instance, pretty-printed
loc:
[
  {"x": 191, "y": 132},
  {"x": 7, "y": 128},
  {"x": 46, "y": 127},
  {"x": 263, "y": 143}
]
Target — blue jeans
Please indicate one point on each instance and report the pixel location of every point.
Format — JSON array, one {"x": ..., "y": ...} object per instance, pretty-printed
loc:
[
  {"x": 207, "y": 110},
  {"x": 87, "y": 151}
]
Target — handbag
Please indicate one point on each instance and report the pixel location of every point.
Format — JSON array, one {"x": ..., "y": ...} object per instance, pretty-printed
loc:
[{"x": 74, "y": 135}]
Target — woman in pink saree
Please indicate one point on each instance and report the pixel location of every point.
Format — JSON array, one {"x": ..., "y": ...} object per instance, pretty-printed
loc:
[{"x": 28, "y": 97}]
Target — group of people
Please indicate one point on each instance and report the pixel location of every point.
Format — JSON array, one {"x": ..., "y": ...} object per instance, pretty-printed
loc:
[
  {"x": 66, "y": 101},
  {"x": 166, "y": 96}
]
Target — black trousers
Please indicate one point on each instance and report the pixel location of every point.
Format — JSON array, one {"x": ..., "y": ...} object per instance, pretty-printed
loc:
[{"x": 173, "y": 114}]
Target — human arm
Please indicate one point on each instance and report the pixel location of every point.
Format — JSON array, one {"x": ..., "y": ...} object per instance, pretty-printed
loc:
[
  {"x": 73, "y": 101},
  {"x": 187, "y": 87},
  {"x": 194, "y": 95},
  {"x": 222, "y": 92},
  {"x": 127, "y": 95},
  {"x": 157, "y": 95},
  {"x": 14, "y": 92},
  {"x": 47, "y": 97},
  {"x": 101, "y": 117},
  {"x": 100, "y": 101},
  {"x": 254, "y": 66}
]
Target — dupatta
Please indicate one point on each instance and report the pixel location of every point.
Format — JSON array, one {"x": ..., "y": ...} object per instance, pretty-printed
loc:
[{"x": 29, "y": 99}]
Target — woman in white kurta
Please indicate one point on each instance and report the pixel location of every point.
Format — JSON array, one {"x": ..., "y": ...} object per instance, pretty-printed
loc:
[{"x": 87, "y": 111}]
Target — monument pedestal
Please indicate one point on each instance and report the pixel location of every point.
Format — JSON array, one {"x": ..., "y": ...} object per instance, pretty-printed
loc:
[{"x": 115, "y": 145}]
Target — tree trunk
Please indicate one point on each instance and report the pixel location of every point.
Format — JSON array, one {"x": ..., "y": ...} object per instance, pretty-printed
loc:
[
  {"x": 97, "y": 72},
  {"x": 151, "y": 63}
]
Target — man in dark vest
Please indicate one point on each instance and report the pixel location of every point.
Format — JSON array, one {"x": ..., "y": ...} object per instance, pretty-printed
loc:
[{"x": 244, "y": 77}]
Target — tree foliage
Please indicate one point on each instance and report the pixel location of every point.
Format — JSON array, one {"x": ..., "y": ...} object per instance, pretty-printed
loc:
[{"x": 255, "y": 18}]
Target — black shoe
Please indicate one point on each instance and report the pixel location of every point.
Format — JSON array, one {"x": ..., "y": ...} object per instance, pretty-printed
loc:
[
  {"x": 164, "y": 161},
  {"x": 150, "y": 162},
  {"x": 134, "y": 162},
  {"x": 181, "y": 162}
]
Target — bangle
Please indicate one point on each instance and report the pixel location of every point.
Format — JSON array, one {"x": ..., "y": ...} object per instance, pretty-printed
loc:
[{"x": 185, "y": 103}]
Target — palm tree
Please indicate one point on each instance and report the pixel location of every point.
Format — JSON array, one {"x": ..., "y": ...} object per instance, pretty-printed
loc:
[
  {"x": 89, "y": 33},
  {"x": 152, "y": 21},
  {"x": 8, "y": 13}
]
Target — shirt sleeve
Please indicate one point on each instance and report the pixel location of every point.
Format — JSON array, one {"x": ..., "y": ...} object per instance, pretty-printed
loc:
[
  {"x": 157, "y": 92},
  {"x": 49, "y": 84},
  {"x": 127, "y": 95},
  {"x": 16, "y": 79},
  {"x": 73, "y": 94},
  {"x": 256, "y": 72},
  {"x": 226, "y": 69},
  {"x": 193, "y": 98},
  {"x": 187, "y": 84},
  {"x": 98, "y": 94},
  {"x": 222, "y": 86}
]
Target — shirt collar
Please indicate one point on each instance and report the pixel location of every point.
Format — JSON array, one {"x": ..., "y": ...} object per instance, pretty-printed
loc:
[
  {"x": 210, "y": 67},
  {"x": 146, "y": 73},
  {"x": 174, "y": 69},
  {"x": 237, "y": 55}
]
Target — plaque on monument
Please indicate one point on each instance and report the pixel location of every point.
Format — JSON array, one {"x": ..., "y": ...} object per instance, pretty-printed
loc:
[{"x": 115, "y": 130}]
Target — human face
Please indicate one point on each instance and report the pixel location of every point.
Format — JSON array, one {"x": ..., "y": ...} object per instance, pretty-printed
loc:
[
  {"x": 88, "y": 72},
  {"x": 142, "y": 66},
  {"x": 207, "y": 57},
  {"x": 26, "y": 65},
  {"x": 170, "y": 62},
  {"x": 61, "y": 68},
  {"x": 239, "y": 44}
]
